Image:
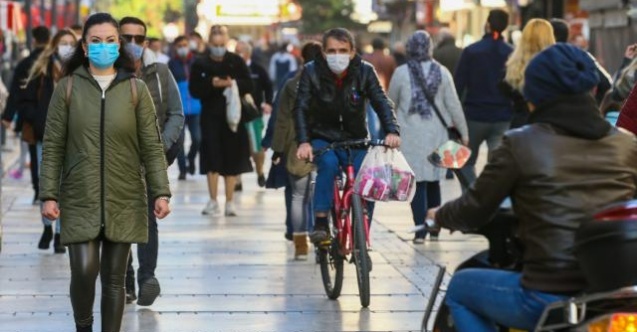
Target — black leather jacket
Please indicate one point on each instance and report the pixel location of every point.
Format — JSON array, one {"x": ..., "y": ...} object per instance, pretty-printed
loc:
[
  {"x": 557, "y": 181},
  {"x": 330, "y": 111}
]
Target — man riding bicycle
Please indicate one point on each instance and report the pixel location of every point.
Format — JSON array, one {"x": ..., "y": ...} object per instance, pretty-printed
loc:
[{"x": 330, "y": 107}]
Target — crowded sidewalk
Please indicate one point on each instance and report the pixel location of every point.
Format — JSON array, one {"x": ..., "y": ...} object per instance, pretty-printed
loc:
[{"x": 230, "y": 274}]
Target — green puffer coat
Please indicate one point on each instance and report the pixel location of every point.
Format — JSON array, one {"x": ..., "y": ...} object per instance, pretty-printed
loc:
[{"x": 99, "y": 153}]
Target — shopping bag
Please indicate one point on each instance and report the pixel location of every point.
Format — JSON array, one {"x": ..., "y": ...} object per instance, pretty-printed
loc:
[
  {"x": 373, "y": 181},
  {"x": 233, "y": 106},
  {"x": 403, "y": 178},
  {"x": 450, "y": 155}
]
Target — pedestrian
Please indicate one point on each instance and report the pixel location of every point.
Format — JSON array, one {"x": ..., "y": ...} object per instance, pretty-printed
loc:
[
  {"x": 167, "y": 101},
  {"x": 385, "y": 66},
  {"x": 196, "y": 44},
  {"x": 562, "y": 33},
  {"x": 626, "y": 76},
  {"x": 487, "y": 109},
  {"x": 41, "y": 36},
  {"x": 300, "y": 171},
  {"x": 628, "y": 115},
  {"x": 414, "y": 84},
  {"x": 223, "y": 152},
  {"x": 34, "y": 100},
  {"x": 536, "y": 36},
  {"x": 447, "y": 53},
  {"x": 281, "y": 64},
  {"x": 180, "y": 66},
  {"x": 156, "y": 46},
  {"x": 102, "y": 149},
  {"x": 399, "y": 53},
  {"x": 262, "y": 94}
]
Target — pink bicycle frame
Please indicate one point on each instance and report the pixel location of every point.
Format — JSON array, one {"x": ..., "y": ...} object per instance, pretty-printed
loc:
[{"x": 342, "y": 209}]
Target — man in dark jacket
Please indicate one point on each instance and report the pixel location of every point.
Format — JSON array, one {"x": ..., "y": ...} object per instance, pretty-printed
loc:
[
  {"x": 559, "y": 170},
  {"x": 263, "y": 94},
  {"x": 180, "y": 68},
  {"x": 330, "y": 107},
  {"x": 170, "y": 116},
  {"x": 41, "y": 36},
  {"x": 446, "y": 52},
  {"x": 480, "y": 70}
]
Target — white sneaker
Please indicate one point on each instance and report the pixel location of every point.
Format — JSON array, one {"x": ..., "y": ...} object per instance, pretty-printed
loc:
[
  {"x": 230, "y": 211},
  {"x": 211, "y": 208}
]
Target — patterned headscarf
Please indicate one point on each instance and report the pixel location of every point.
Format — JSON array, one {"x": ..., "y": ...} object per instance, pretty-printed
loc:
[{"x": 419, "y": 50}]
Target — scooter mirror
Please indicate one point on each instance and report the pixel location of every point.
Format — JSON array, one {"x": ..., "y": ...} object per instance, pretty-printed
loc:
[{"x": 450, "y": 155}]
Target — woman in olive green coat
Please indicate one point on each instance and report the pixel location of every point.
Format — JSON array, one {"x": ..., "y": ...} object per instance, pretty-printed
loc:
[
  {"x": 284, "y": 144},
  {"x": 102, "y": 147}
]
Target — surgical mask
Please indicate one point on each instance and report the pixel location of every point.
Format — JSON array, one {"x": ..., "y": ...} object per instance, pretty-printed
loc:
[
  {"x": 338, "y": 63},
  {"x": 65, "y": 51},
  {"x": 217, "y": 51},
  {"x": 135, "y": 50},
  {"x": 193, "y": 45},
  {"x": 103, "y": 55},
  {"x": 183, "y": 51}
]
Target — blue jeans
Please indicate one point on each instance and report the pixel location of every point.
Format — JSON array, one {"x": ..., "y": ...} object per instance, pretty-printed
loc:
[
  {"x": 328, "y": 167},
  {"x": 45, "y": 221},
  {"x": 481, "y": 298},
  {"x": 373, "y": 124},
  {"x": 194, "y": 127}
]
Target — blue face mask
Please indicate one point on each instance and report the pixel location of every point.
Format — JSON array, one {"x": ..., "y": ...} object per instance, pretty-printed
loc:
[
  {"x": 103, "y": 55},
  {"x": 135, "y": 50}
]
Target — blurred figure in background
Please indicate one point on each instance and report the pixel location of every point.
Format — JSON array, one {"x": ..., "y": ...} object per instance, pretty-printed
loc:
[
  {"x": 561, "y": 30},
  {"x": 41, "y": 36},
  {"x": 34, "y": 103},
  {"x": 413, "y": 88},
  {"x": 536, "y": 36},
  {"x": 399, "y": 53},
  {"x": 223, "y": 152},
  {"x": 385, "y": 66},
  {"x": 156, "y": 45},
  {"x": 480, "y": 70},
  {"x": 77, "y": 30},
  {"x": 281, "y": 64},
  {"x": 180, "y": 67},
  {"x": 263, "y": 94},
  {"x": 446, "y": 52},
  {"x": 196, "y": 43}
]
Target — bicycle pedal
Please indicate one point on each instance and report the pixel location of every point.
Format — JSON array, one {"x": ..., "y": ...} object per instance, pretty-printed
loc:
[{"x": 325, "y": 244}]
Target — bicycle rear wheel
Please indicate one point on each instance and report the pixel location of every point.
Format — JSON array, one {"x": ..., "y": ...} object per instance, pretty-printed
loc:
[
  {"x": 331, "y": 262},
  {"x": 361, "y": 258}
]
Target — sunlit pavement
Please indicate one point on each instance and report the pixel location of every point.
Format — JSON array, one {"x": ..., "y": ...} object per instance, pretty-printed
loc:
[{"x": 230, "y": 274}]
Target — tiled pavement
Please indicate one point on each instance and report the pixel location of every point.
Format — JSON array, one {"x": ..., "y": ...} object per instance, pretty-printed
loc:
[{"x": 230, "y": 274}]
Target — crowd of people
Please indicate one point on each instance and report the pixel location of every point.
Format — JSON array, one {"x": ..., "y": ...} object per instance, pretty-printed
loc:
[{"x": 103, "y": 112}]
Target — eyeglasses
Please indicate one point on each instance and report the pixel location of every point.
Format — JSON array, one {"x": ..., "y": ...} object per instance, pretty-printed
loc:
[{"x": 139, "y": 39}]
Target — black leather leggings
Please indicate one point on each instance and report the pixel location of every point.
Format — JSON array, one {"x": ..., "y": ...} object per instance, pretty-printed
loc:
[{"x": 85, "y": 265}]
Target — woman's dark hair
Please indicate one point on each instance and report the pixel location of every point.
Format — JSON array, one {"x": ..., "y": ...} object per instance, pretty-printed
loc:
[
  {"x": 340, "y": 34},
  {"x": 498, "y": 20},
  {"x": 124, "y": 61},
  {"x": 560, "y": 30}
]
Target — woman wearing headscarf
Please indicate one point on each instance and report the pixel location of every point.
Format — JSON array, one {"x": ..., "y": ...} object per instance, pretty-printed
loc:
[{"x": 421, "y": 129}]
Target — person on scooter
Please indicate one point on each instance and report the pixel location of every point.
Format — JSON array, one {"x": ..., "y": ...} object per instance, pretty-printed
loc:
[{"x": 559, "y": 170}]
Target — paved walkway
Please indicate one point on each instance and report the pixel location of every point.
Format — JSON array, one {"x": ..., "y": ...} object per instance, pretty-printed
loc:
[{"x": 229, "y": 274}]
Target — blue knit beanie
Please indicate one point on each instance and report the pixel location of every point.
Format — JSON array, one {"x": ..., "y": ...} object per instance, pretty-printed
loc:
[{"x": 559, "y": 70}]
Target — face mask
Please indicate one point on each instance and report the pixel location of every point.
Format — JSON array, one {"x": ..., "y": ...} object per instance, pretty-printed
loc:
[
  {"x": 183, "y": 51},
  {"x": 338, "y": 62},
  {"x": 65, "y": 51},
  {"x": 135, "y": 50},
  {"x": 217, "y": 51},
  {"x": 193, "y": 45},
  {"x": 103, "y": 55}
]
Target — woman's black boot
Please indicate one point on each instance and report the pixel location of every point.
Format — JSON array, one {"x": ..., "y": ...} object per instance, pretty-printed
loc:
[
  {"x": 83, "y": 328},
  {"x": 58, "y": 247},
  {"x": 47, "y": 236}
]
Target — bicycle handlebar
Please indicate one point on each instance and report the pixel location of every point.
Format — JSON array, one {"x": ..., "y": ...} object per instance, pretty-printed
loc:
[{"x": 363, "y": 143}]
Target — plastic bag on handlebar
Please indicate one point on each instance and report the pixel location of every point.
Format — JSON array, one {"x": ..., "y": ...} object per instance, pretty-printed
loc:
[
  {"x": 373, "y": 181},
  {"x": 385, "y": 176}
]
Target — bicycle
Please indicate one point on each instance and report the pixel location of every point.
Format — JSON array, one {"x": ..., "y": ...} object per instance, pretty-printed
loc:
[{"x": 349, "y": 231}]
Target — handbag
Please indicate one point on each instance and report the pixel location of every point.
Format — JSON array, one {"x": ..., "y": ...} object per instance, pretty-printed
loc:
[
  {"x": 451, "y": 154},
  {"x": 249, "y": 111}
]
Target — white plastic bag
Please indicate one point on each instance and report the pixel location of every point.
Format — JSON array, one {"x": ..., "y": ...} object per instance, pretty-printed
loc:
[
  {"x": 233, "y": 106},
  {"x": 374, "y": 177},
  {"x": 385, "y": 176}
]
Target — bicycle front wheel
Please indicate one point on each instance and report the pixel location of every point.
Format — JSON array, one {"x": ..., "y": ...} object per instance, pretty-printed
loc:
[
  {"x": 331, "y": 262},
  {"x": 361, "y": 257}
]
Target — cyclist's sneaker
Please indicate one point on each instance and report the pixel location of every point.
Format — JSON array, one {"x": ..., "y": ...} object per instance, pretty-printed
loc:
[{"x": 319, "y": 236}]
